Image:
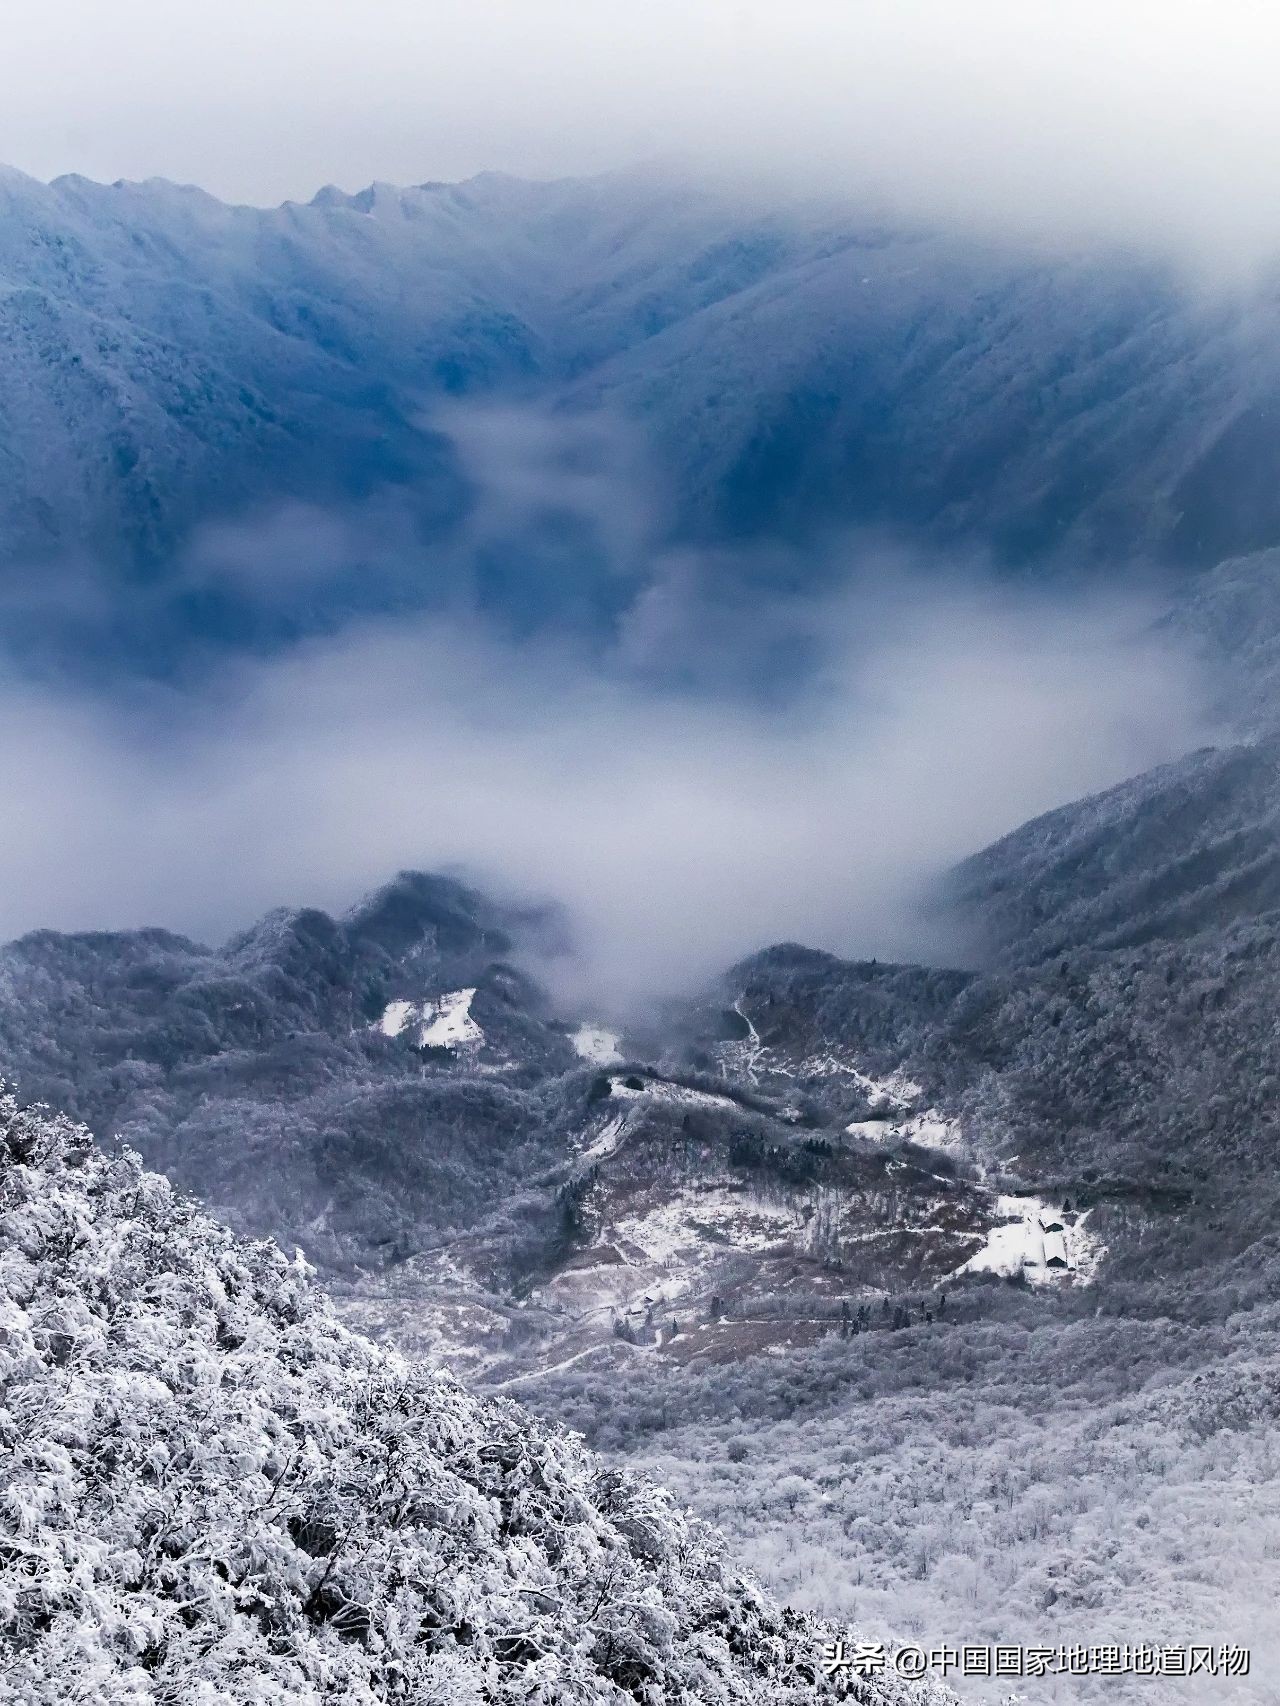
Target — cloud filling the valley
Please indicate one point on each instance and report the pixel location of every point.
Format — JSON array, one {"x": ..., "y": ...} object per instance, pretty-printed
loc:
[{"x": 680, "y": 827}]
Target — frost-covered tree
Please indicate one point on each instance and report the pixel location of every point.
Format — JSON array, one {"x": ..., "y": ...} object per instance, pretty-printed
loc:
[{"x": 213, "y": 1492}]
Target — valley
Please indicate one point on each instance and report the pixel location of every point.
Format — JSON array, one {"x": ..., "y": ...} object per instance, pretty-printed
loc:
[{"x": 657, "y": 562}]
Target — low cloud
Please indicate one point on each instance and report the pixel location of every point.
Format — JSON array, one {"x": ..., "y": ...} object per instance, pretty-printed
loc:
[
  {"x": 695, "y": 749},
  {"x": 680, "y": 828}
]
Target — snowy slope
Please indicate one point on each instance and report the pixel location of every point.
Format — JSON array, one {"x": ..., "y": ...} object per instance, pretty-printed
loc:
[
  {"x": 168, "y": 361},
  {"x": 164, "y": 357},
  {"x": 1034, "y": 1240},
  {"x": 445, "y": 1022},
  {"x": 594, "y": 1043},
  {"x": 214, "y": 1492}
]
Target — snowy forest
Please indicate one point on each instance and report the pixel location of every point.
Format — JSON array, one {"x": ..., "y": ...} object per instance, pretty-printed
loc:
[{"x": 640, "y": 863}]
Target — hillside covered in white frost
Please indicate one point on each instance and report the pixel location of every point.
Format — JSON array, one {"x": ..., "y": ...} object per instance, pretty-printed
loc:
[{"x": 212, "y": 1492}]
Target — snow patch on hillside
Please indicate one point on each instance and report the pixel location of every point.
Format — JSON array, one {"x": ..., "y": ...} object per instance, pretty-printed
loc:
[
  {"x": 1043, "y": 1244},
  {"x": 597, "y": 1045},
  {"x": 395, "y": 1018},
  {"x": 897, "y": 1091},
  {"x": 447, "y": 1023},
  {"x": 443, "y": 1023},
  {"x": 929, "y": 1129},
  {"x": 662, "y": 1090},
  {"x": 668, "y": 1253},
  {"x": 692, "y": 1219},
  {"x": 607, "y": 1139}
]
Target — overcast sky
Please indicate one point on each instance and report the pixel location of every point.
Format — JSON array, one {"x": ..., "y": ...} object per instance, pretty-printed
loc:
[{"x": 1129, "y": 118}]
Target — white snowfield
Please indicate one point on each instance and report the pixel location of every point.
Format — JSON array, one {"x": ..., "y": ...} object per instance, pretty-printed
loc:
[
  {"x": 661, "y": 1255},
  {"x": 928, "y": 1129},
  {"x": 1038, "y": 1241},
  {"x": 608, "y": 1138},
  {"x": 659, "y": 1090},
  {"x": 893, "y": 1100},
  {"x": 721, "y": 1217},
  {"x": 597, "y": 1045},
  {"x": 396, "y": 1017},
  {"x": 443, "y": 1023},
  {"x": 892, "y": 1094}
]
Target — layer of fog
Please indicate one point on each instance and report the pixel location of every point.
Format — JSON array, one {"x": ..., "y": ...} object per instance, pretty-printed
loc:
[
  {"x": 695, "y": 751},
  {"x": 1145, "y": 123},
  {"x": 680, "y": 829}
]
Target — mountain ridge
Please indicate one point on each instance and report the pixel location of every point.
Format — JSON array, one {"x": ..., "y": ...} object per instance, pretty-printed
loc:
[{"x": 226, "y": 359}]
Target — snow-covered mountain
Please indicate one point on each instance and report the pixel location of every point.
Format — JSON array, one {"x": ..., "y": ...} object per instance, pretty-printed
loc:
[
  {"x": 933, "y": 1206},
  {"x": 812, "y": 1147},
  {"x": 1000, "y": 1237},
  {"x": 913, "y": 1210},
  {"x": 168, "y": 363},
  {"x": 481, "y": 1179},
  {"x": 212, "y": 1490}
]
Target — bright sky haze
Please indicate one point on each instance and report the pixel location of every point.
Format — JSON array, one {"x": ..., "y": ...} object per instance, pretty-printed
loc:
[{"x": 1130, "y": 120}]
